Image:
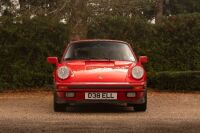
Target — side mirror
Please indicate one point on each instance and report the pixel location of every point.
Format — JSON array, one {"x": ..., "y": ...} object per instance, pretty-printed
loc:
[
  {"x": 143, "y": 59},
  {"x": 52, "y": 60}
]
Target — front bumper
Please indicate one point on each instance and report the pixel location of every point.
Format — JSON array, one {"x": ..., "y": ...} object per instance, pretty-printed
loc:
[{"x": 120, "y": 88}]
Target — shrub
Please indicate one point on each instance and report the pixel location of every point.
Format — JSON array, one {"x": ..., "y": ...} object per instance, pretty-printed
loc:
[
  {"x": 24, "y": 48},
  {"x": 173, "y": 45},
  {"x": 179, "y": 80}
]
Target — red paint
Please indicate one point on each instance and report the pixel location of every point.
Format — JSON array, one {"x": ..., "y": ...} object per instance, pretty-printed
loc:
[{"x": 99, "y": 73}]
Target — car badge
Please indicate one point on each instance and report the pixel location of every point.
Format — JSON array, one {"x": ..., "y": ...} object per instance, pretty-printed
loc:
[{"x": 100, "y": 77}]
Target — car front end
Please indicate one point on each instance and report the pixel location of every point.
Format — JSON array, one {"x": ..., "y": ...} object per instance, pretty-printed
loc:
[{"x": 99, "y": 79}]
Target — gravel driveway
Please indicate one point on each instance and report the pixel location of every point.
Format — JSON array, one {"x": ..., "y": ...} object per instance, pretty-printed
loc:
[{"x": 31, "y": 112}]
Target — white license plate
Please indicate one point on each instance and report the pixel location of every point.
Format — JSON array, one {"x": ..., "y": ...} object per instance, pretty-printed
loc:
[{"x": 100, "y": 95}]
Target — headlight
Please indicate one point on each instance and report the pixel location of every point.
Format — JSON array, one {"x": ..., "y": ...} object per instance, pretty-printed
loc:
[
  {"x": 63, "y": 72},
  {"x": 137, "y": 72}
]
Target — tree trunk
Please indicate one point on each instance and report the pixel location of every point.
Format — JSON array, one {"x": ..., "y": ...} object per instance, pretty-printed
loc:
[
  {"x": 159, "y": 10},
  {"x": 78, "y": 19}
]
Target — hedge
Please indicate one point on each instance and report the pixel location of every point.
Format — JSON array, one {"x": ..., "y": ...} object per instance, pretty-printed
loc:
[
  {"x": 24, "y": 49},
  {"x": 173, "y": 45},
  {"x": 179, "y": 80}
]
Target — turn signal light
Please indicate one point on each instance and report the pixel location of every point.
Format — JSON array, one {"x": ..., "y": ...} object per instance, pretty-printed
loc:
[
  {"x": 70, "y": 94},
  {"x": 62, "y": 87},
  {"x": 138, "y": 87},
  {"x": 131, "y": 94}
]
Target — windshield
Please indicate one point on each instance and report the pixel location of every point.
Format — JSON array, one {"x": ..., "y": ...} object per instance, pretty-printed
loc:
[{"x": 99, "y": 50}]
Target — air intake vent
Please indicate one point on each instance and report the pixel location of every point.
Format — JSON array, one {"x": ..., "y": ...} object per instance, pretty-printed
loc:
[{"x": 99, "y": 87}]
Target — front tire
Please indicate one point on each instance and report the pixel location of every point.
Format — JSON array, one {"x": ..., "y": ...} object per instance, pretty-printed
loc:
[
  {"x": 58, "y": 107},
  {"x": 141, "y": 107}
]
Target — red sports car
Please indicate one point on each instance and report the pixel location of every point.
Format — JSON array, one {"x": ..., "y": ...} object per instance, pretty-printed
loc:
[{"x": 99, "y": 71}]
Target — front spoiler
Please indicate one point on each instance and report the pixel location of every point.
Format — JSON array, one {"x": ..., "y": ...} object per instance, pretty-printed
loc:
[
  {"x": 80, "y": 92},
  {"x": 138, "y": 101}
]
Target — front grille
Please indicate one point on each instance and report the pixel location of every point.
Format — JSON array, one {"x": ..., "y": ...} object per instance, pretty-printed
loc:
[{"x": 99, "y": 87}]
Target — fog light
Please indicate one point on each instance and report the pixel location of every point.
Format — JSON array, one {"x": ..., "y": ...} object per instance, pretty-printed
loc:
[
  {"x": 69, "y": 94},
  {"x": 62, "y": 87},
  {"x": 138, "y": 87},
  {"x": 131, "y": 94}
]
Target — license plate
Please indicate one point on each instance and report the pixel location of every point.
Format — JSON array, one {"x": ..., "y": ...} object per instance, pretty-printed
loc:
[{"x": 100, "y": 95}]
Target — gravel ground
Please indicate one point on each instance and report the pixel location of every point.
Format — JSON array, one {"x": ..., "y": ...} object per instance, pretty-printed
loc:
[{"x": 31, "y": 112}]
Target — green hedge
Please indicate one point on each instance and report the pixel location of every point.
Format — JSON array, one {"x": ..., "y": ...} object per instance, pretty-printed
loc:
[
  {"x": 24, "y": 49},
  {"x": 182, "y": 80},
  {"x": 173, "y": 45}
]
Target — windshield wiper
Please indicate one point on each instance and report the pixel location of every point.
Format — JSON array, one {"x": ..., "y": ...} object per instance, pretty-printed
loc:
[
  {"x": 107, "y": 58},
  {"x": 69, "y": 58},
  {"x": 98, "y": 58},
  {"x": 89, "y": 58}
]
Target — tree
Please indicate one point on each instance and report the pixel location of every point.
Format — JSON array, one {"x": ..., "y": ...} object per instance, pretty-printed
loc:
[
  {"x": 7, "y": 8},
  {"x": 159, "y": 10},
  {"x": 39, "y": 8},
  {"x": 78, "y": 19},
  {"x": 184, "y": 6}
]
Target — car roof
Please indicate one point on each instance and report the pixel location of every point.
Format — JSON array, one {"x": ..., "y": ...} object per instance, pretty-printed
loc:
[{"x": 97, "y": 40}]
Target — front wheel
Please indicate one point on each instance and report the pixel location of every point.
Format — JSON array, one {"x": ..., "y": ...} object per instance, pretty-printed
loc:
[
  {"x": 58, "y": 107},
  {"x": 141, "y": 107}
]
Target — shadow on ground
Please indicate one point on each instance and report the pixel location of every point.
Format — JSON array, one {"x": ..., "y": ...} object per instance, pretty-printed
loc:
[{"x": 99, "y": 108}]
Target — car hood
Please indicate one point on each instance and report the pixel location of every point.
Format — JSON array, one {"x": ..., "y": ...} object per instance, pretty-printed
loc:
[{"x": 99, "y": 71}]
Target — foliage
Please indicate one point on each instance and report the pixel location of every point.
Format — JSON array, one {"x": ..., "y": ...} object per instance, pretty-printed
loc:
[
  {"x": 184, "y": 6},
  {"x": 179, "y": 80},
  {"x": 24, "y": 49},
  {"x": 173, "y": 45}
]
